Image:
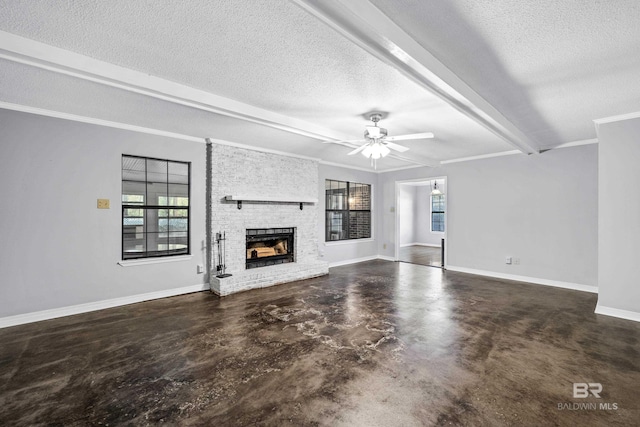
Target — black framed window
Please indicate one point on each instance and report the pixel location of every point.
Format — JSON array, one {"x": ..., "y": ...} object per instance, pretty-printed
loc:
[
  {"x": 348, "y": 210},
  {"x": 155, "y": 207},
  {"x": 437, "y": 212}
]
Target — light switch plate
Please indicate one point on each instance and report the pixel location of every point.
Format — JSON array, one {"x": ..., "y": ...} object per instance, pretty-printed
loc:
[{"x": 103, "y": 203}]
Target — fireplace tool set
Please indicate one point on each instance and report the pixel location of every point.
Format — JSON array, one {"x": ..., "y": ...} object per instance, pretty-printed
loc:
[{"x": 221, "y": 239}]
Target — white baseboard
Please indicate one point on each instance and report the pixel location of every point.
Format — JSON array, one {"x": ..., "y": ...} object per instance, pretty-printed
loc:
[
  {"x": 431, "y": 245},
  {"x": 352, "y": 261},
  {"x": 386, "y": 258},
  {"x": 616, "y": 312},
  {"x": 38, "y": 316},
  {"x": 538, "y": 281}
]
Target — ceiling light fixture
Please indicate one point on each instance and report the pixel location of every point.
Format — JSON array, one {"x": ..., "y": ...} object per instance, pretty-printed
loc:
[
  {"x": 375, "y": 150},
  {"x": 435, "y": 191}
]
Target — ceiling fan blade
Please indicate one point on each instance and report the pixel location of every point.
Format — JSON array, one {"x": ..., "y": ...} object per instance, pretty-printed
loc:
[
  {"x": 396, "y": 147},
  {"x": 422, "y": 135},
  {"x": 344, "y": 140},
  {"x": 357, "y": 150}
]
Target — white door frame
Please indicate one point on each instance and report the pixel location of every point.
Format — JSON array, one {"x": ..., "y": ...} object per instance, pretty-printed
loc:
[{"x": 396, "y": 253}]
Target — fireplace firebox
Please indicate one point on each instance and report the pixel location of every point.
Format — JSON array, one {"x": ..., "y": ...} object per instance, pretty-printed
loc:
[{"x": 269, "y": 246}]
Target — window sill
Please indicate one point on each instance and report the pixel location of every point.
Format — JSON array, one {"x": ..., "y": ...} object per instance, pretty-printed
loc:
[
  {"x": 347, "y": 242},
  {"x": 159, "y": 260}
]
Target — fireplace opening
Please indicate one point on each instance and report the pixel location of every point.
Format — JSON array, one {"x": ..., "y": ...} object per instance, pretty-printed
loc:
[{"x": 269, "y": 246}]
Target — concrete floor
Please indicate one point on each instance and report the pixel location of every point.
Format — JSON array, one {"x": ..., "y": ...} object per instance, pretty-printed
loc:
[
  {"x": 372, "y": 344},
  {"x": 423, "y": 255}
]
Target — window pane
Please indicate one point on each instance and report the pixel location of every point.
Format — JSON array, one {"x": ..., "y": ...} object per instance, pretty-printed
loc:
[
  {"x": 178, "y": 173},
  {"x": 359, "y": 225},
  {"x": 178, "y": 224},
  {"x": 336, "y": 226},
  {"x": 133, "y": 192},
  {"x": 178, "y": 190},
  {"x": 153, "y": 220},
  {"x": 359, "y": 196},
  {"x": 157, "y": 242},
  {"x": 133, "y": 213},
  {"x": 437, "y": 221},
  {"x": 157, "y": 170},
  {"x": 133, "y": 169},
  {"x": 133, "y": 244}
]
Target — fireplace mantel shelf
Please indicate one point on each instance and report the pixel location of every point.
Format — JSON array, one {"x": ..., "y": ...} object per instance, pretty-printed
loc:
[{"x": 245, "y": 198}]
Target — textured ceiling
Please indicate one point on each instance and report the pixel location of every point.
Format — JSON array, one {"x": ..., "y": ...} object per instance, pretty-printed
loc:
[{"x": 548, "y": 67}]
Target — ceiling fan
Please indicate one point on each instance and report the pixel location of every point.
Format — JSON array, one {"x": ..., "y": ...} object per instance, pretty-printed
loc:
[{"x": 376, "y": 142}]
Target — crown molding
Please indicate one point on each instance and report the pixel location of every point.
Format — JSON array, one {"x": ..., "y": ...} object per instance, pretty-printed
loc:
[
  {"x": 141, "y": 129},
  {"x": 30, "y": 52},
  {"x": 573, "y": 144},
  {"x": 618, "y": 118},
  {"x": 482, "y": 156}
]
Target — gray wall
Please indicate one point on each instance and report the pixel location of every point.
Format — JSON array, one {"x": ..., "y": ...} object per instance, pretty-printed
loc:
[
  {"x": 541, "y": 208},
  {"x": 58, "y": 249},
  {"x": 336, "y": 252},
  {"x": 407, "y": 214},
  {"x": 619, "y": 215}
]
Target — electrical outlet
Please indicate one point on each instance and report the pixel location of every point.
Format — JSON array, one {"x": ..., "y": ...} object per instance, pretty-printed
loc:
[
  {"x": 384, "y": 246},
  {"x": 103, "y": 203},
  {"x": 200, "y": 268},
  {"x": 507, "y": 260}
]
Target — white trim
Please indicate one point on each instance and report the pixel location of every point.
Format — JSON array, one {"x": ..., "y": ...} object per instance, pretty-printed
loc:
[
  {"x": 141, "y": 129},
  {"x": 573, "y": 144},
  {"x": 527, "y": 279},
  {"x": 396, "y": 245},
  {"x": 402, "y": 168},
  {"x": 94, "y": 121},
  {"x": 30, "y": 52},
  {"x": 54, "y": 313},
  {"x": 482, "y": 156},
  {"x": 159, "y": 260},
  {"x": 616, "y": 312},
  {"x": 431, "y": 245},
  {"x": 352, "y": 261},
  {"x": 348, "y": 241},
  {"x": 340, "y": 165},
  {"x": 374, "y": 171},
  {"x": 386, "y": 258},
  {"x": 617, "y": 118}
]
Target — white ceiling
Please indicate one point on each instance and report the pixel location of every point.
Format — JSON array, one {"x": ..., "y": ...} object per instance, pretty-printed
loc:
[{"x": 484, "y": 76}]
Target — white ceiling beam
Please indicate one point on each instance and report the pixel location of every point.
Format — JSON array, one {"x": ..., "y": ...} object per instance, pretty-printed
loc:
[
  {"x": 47, "y": 57},
  {"x": 364, "y": 24}
]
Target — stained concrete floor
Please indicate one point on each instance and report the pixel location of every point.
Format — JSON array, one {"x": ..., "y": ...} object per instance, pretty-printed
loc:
[
  {"x": 372, "y": 344},
  {"x": 423, "y": 255}
]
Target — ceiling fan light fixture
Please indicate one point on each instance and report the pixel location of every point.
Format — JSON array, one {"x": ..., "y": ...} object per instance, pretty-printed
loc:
[
  {"x": 375, "y": 150},
  {"x": 375, "y": 132}
]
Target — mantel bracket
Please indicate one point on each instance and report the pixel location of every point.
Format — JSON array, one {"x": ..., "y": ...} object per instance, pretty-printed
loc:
[
  {"x": 300, "y": 205},
  {"x": 239, "y": 204}
]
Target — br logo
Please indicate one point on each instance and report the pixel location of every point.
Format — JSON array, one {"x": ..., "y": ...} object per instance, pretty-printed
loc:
[{"x": 582, "y": 390}]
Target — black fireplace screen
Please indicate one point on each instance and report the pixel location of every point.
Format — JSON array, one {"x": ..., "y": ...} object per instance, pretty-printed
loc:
[{"x": 269, "y": 246}]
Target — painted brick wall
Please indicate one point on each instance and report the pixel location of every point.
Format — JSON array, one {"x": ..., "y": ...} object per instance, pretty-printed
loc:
[{"x": 240, "y": 171}]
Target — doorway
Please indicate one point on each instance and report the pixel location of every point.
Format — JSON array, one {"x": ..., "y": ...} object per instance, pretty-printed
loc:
[{"x": 421, "y": 211}]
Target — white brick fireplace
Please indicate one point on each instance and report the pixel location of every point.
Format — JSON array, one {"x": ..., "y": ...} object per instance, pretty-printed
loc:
[{"x": 271, "y": 187}]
